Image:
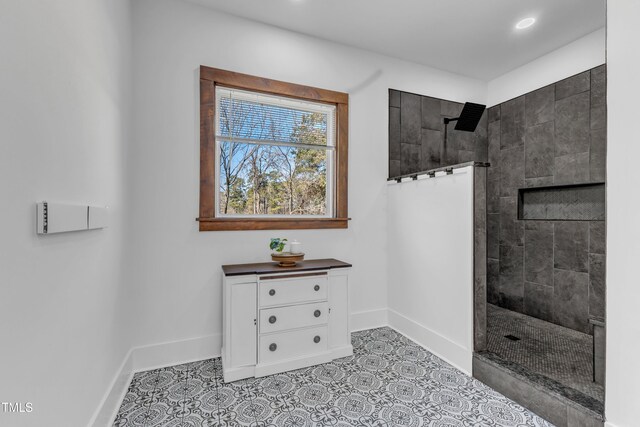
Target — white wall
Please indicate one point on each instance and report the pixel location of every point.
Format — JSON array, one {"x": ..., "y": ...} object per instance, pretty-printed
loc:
[
  {"x": 583, "y": 54},
  {"x": 623, "y": 227},
  {"x": 430, "y": 227},
  {"x": 64, "y": 111},
  {"x": 174, "y": 268}
]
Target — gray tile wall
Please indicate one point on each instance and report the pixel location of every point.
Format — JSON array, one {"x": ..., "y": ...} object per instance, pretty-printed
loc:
[
  {"x": 479, "y": 258},
  {"x": 552, "y": 270},
  {"x": 416, "y": 135}
]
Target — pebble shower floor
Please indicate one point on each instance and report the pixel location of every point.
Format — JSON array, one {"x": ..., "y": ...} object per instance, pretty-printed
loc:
[{"x": 389, "y": 381}]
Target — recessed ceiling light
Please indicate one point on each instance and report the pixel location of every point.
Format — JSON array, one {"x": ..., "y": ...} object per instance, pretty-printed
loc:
[{"x": 525, "y": 23}]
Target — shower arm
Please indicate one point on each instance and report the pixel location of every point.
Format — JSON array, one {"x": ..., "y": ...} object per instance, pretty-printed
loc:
[{"x": 444, "y": 140}]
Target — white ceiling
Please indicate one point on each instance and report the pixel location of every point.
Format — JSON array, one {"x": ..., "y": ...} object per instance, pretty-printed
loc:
[{"x": 476, "y": 38}]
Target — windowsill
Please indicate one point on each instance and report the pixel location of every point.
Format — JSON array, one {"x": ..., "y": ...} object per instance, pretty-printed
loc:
[{"x": 236, "y": 224}]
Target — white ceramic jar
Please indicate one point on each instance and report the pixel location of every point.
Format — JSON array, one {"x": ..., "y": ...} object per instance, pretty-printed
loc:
[{"x": 295, "y": 247}]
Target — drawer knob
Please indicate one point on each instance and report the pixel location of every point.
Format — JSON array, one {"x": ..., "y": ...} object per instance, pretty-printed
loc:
[
  {"x": 316, "y": 288},
  {"x": 273, "y": 346},
  {"x": 272, "y": 319},
  {"x": 316, "y": 339},
  {"x": 272, "y": 292},
  {"x": 317, "y": 313}
]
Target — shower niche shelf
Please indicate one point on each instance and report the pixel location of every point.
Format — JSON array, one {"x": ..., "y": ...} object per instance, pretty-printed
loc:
[{"x": 575, "y": 202}]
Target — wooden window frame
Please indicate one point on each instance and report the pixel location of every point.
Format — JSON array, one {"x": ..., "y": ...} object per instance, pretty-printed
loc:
[{"x": 209, "y": 79}]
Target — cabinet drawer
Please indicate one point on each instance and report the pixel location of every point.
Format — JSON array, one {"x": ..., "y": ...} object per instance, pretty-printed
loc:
[
  {"x": 283, "y": 291},
  {"x": 293, "y": 316},
  {"x": 291, "y": 344}
]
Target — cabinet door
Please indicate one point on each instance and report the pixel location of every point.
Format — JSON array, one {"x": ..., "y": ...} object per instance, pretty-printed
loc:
[
  {"x": 339, "y": 333},
  {"x": 243, "y": 332}
]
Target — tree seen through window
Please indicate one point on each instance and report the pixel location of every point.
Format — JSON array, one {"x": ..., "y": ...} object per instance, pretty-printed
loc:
[{"x": 274, "y": 160}]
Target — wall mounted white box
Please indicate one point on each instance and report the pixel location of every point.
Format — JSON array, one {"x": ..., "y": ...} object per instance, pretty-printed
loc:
[
  {"x": 97, "y": 217},
  {"x": 60, "y": 218}
]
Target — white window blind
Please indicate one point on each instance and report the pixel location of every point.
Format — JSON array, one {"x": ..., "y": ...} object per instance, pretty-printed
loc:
[
  {"x": 275, "y": 155},
  {"x": 252, "y": 117}
]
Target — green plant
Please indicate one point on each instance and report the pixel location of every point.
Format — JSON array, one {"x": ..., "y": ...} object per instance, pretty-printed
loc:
[{"x": 277, "y": 244}]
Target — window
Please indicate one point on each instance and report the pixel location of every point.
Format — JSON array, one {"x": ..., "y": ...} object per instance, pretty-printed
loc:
[{"x": 273, "y": 155}]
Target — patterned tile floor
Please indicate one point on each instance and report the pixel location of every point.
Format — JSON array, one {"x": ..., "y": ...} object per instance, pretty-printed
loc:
[
  {"x": 389, "y": 381},
  {"x": 559, "y": 353}
]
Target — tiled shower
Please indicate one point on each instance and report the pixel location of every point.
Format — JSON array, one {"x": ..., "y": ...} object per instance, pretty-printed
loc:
[
  {"x": 556, "y": 135},
  {"x": 545, "y": 233}
]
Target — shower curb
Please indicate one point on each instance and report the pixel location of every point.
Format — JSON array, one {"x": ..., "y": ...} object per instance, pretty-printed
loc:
[{"x": 543, "y": 401}]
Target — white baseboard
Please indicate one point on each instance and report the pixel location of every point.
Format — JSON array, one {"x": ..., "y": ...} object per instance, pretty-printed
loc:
[
  {"x": 108, "y": 408},
  {"x": 149, "y": 357},
  {"x": 172, "y": 353},
  {"x": 369, "y": 319},
  {"x": 447, "y": 350}
]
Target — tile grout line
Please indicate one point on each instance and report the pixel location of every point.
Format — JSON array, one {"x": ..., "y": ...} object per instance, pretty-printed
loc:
[
  {"x": 184, "y": 395},
  {"x": 252, "y": 389},
  {"x": 153, "y": 392},
  {"x": 284, "y": 403},
  {"x": 216, "y": 410},
  {"x": 217, "y": 373}
]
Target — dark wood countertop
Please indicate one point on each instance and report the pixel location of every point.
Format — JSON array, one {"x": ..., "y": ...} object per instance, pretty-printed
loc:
[{"x": 272, "y": 267}]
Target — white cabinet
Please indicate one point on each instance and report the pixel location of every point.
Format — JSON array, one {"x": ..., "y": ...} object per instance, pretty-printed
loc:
[{"x": 277, "y": 319}]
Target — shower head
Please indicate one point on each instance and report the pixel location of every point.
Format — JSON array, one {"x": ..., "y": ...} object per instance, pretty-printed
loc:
[{"x": 469, "y": 117}]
